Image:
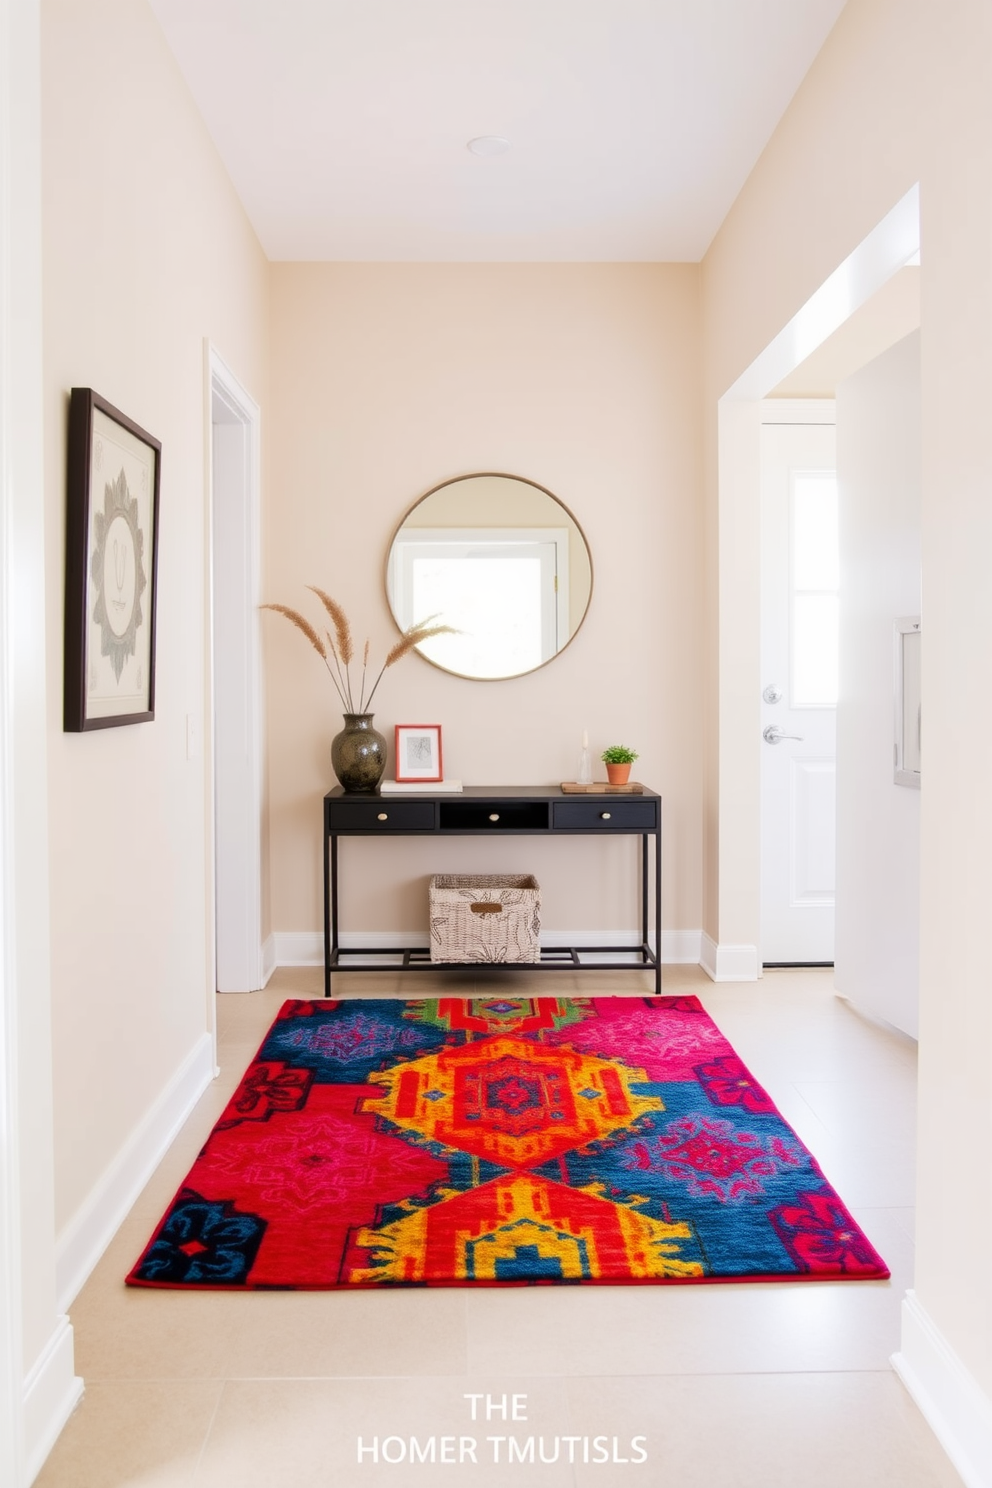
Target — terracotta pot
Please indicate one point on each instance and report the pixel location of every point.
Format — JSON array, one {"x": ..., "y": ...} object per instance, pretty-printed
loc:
[{"x": 618, "y": 774}]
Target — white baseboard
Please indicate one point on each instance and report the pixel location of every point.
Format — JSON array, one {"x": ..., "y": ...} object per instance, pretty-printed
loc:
[
  {"x": 729, "y": 963},
  {"x": 269, "y": 962},
  {"x": 681, "y": 947},
  {"x": 84, "y": 1239},
  {"x": 306, "y": 947},
  {"x": 954, "y": 1405},
  {"x": 52, "y": 1390}
]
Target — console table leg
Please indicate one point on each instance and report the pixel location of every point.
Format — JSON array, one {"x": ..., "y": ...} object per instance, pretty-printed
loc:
[
  {"x": 657, "y": 911},
  {"x": 330, "y": 906}
]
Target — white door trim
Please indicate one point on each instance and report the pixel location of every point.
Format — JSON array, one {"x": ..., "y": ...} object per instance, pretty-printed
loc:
[
  {"x": 234, "y": 717},
  {"x": 798, "y": 411},
  {"x": 34, "y": 1402},
  {"x": 11, "y": 1353}
]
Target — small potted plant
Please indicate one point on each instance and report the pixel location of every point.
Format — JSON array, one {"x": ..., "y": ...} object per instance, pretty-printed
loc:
[{"x": 618, "y": 760}]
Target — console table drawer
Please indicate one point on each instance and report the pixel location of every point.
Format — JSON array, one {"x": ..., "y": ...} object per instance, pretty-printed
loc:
[
  {"x": 606, "y": 815},
  {"x": 495, "y": 815},
  {"x": 378, "y": 815}
]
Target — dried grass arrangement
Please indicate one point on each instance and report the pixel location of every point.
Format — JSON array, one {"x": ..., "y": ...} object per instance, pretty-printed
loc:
[{"x": 337, "y": 650}]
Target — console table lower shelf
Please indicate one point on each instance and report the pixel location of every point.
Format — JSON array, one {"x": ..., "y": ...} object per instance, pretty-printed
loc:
[{"x": 495, "y": 811}]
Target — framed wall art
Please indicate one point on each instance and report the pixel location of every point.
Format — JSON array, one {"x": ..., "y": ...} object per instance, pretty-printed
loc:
[
  {"x": 418, "y": 752},
  {"x": 110, "y": 566}
]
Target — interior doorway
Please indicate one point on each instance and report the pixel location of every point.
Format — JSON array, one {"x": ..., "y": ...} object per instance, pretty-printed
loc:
[
  {"x": 732, "y": 951},
  {"x": 235, "y": 681},
  {"x": 799, "y": 674}
]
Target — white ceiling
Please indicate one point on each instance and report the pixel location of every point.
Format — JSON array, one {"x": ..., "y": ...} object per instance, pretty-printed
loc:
[{"x": 633, "y": 123}]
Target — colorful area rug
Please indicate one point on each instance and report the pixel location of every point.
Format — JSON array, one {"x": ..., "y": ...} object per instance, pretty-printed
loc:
[{"x": 442, "y": 1142}]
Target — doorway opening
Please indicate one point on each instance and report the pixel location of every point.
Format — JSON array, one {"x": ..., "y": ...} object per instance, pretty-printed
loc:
[
  {"x": 800, "y": 634},
  {"x": 735, "y": 952},
  {"x": 236, "y": 689}
]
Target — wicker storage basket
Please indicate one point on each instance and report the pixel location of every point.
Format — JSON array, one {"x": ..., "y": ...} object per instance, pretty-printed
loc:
[{"x": 485, "y": 917}]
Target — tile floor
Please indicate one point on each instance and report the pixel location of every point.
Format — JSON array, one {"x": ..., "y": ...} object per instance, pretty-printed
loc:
[{"x": 730, "y": 1386}]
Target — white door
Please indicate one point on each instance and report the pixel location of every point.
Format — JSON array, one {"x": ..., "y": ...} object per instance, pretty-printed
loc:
[{"x": 799, "y": 614}]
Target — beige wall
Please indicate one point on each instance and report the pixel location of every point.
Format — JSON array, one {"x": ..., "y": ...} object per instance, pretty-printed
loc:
[
  {"x": 390, "y": 378},
  {"x": 146, "y": 252},
  {"x": 902, "y": 93}
]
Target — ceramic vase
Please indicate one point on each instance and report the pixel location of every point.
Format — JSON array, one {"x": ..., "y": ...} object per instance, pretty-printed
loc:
[{"x": 358, "y": 754}]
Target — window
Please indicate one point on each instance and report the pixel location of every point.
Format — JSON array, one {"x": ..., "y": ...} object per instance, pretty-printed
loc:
[
  {"x": 503, "y": 589},
  {"x": 814, "y": 590}
]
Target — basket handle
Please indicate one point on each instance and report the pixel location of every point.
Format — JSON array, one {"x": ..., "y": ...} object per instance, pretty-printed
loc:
[{"x": 486, "y": 908}]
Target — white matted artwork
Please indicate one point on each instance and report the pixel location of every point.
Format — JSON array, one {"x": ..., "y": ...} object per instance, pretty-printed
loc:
[
  {"x": 418, "y": 752},
  {"x": 112, "y": 520}
]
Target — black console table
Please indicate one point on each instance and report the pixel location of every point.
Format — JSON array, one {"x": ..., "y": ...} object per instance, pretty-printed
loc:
[{"x": 495, "y": 811}]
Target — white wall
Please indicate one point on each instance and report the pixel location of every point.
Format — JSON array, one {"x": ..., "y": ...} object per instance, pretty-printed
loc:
[
  {"x": 899, "y": 94},
  {"x": 845, "y": 152},
  {"x": 954, "y": 1172},
  {"x": 147, "y": 253},
  {"x": 37, "y": 1384},
  {"x": 878, "y": 822}
]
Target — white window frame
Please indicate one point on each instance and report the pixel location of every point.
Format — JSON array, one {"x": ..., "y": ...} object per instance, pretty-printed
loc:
[{"x": 548, "y": 544}]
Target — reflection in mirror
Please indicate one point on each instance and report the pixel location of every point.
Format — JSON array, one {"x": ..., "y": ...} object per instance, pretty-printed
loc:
[
  {"x": 909, "y": 711},
  {"x": 499, "y": 559}
]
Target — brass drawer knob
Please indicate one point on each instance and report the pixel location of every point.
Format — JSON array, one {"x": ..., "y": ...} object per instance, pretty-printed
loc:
[
  {"x": 605, "y": 815},
  {"x": 494, "y": 816},
  {"x": 383, "y": 816}
]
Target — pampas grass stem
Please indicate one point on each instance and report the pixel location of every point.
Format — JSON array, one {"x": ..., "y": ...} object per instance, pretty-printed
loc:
[
  {"x": 365, "y": 667},
  {"x": 344, "y": 679},
  {"x": 407, "y": 641},
  {"x": 342, "y": 629},
  {"x": 342, "y": 649},
  {"x": 303, "y": 624}
]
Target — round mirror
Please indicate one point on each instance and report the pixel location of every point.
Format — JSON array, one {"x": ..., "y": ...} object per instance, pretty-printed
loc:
[{"x": 500, "y": 560}]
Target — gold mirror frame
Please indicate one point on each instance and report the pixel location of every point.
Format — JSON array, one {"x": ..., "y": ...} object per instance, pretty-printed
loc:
[{"x": 574, "y": 526}]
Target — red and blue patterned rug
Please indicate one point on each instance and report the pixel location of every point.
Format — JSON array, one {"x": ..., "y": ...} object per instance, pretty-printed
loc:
[{"x": 443, "y": 1142}]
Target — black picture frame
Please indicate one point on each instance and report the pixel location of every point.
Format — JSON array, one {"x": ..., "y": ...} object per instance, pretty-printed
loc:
[{"x": 112, "y": 501}]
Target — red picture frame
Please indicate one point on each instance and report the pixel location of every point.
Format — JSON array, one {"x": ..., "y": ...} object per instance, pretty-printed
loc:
[{"x": 418, "y": 753}]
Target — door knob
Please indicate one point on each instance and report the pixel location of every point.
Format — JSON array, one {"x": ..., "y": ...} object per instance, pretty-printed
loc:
[
  {"x": 774, "y": 735},
  {"x": 773, "y": 693}
]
